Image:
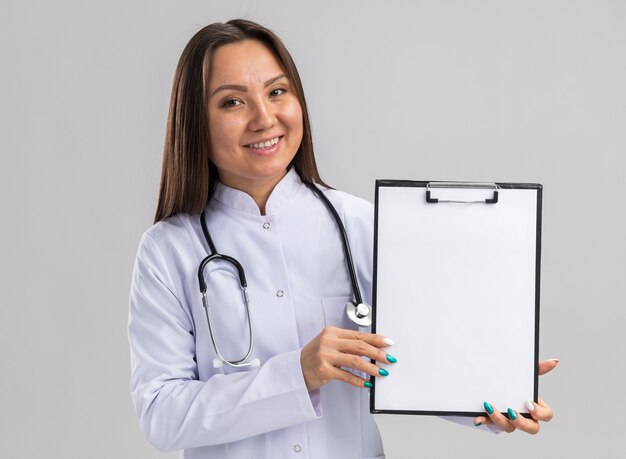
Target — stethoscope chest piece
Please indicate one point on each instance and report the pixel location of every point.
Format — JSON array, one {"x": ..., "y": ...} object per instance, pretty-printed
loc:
[{"x": 360, "y": 314}]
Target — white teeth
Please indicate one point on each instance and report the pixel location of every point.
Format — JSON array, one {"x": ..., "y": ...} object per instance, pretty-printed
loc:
[{"x": 266, "y": 144}]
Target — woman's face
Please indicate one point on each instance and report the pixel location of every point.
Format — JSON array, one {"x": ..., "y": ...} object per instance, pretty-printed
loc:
[{"x": 255, "y": 118}]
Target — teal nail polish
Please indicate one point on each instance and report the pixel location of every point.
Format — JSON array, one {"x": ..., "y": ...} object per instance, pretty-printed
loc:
[
  {"x": 512, "y": 414},
  {"x": 383, "y": 372},
  {"x": 368, "y": 384},
  {"x": 478, "y": 423},
  {"x": 488, "y": 408},
  {"x": 391, "y": 359}
]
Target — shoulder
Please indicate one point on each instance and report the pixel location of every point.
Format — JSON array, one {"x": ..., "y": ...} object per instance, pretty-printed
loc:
[
  {"x": 171, "y": 227},
  {"x": 167, "y": 236},
  {"x": 352, "y": 207},
  {"x": 358, "y": 218},
  {"x": 356, "y": 213}
]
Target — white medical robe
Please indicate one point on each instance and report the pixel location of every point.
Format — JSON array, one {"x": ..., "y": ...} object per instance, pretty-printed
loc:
[{"x": 297, "y": 283}]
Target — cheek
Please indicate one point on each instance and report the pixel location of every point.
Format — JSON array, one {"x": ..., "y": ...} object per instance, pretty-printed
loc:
[
  {"x": 224, "y": 135},
  {"x": 293, "y": 117}
]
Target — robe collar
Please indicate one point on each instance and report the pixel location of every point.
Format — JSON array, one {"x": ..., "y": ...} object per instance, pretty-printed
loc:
[{"x": 283, "y": 192}]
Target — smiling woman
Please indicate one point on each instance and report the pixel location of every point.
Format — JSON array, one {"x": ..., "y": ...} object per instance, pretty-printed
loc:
[{"x": 288, "y": 289}]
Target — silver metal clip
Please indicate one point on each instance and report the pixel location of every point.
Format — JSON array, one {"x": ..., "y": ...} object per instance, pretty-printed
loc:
[{"x": 462, "y": 185}]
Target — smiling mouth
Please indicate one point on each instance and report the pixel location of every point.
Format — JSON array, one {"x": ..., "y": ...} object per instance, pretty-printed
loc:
[{"x": 266, "y": 144}]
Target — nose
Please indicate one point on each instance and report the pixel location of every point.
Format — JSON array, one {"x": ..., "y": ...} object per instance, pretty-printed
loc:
[{"x": 263, "y": 116}]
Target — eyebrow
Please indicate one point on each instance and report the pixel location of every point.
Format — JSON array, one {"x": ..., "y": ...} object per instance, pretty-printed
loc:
[{"x": 241, "y": 88}]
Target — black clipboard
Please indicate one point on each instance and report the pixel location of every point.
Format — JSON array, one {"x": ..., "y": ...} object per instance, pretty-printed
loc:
[{"x": 457, "y": 269}]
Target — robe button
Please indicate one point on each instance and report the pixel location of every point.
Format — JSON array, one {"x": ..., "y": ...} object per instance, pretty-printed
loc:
[
  {"x": 297, "y": 448},
  {"x": 280, "y": 293},
  {"x": 266, "y": 225}
]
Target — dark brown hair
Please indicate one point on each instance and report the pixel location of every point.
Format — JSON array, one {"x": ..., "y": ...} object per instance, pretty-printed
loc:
[{"x": 188, "y": 176}]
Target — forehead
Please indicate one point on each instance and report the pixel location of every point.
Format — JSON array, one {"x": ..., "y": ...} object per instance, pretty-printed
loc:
[{"x": 246, "y": 62}]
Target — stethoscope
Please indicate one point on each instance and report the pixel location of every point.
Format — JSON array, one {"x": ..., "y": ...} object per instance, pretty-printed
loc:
[{"x": 357, "y": 311}]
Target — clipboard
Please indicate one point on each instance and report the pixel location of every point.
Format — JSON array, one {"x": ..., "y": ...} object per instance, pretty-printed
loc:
[{"x": 456, "y": 285}]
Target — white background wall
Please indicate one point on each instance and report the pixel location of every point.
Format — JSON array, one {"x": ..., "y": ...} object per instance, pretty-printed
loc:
[{"x": 496, "y": 90}]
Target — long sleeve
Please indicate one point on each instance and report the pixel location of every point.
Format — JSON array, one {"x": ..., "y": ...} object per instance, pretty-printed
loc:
[{"x": 175, "y": 409}]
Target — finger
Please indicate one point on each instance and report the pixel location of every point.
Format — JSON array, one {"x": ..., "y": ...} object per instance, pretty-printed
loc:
[
  {"x": 370, "y": 338},
  {"x": 524, "y": 424},
  {"x": 357, "y": 363},
  {"x": 362, "y": 348},
  {"x": 349, "y": 378},
  {"x": 547, "y": 365},
  {"x": 541, "y": 411},
  {"x": 482, "y": 420},
  {"x": 498, "y": 418}
]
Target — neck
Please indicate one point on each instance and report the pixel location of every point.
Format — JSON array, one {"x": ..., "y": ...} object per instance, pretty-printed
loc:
[
  {"x": 259, "y": 190},
  {"x": 260, "y": 196}
]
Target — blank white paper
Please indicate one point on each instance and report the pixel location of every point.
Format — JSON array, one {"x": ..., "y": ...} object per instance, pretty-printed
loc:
[{"x": 455, "y": 288}]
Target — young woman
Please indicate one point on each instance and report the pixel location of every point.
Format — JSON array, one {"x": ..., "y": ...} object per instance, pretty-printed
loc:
[{"x": 237, "y": 173}]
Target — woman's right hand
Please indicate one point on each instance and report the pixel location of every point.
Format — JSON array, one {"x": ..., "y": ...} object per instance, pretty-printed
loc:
[{"x": 323, "y": 357}]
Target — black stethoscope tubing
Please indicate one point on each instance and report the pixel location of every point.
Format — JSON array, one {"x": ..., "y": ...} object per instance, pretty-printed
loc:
[
  {"x": 214, "y": 255},
  {"x": 344, "y": 240}
]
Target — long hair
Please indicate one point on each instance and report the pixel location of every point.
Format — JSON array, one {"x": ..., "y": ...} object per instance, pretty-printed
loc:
[{"x": 188, "y": 176}]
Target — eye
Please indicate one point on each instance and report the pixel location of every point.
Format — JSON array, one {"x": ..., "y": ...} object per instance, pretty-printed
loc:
[
  {"x": 277, "y": 91},
  {"x": 231, "y": 103}
]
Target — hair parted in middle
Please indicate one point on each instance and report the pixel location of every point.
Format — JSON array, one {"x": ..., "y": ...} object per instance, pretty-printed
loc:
[{"x": 188, "y": 176}]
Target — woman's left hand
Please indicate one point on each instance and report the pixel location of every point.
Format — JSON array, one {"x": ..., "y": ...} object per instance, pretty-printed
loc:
[{"x": 539, "y": 412}]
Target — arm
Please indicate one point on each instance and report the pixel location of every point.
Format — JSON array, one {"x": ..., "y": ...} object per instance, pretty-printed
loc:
[{"x": 175, "y": 409}]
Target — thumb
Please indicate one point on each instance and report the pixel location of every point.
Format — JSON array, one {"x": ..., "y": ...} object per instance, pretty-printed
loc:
[{"x": 547, "y": 365}]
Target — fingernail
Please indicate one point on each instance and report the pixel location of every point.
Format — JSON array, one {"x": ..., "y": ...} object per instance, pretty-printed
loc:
[
  {"x": 512, "y": 414},
  {"x": 488, "y": 407},
  {"x": 368, "y": 384},
  {"x": 478, "y": 423},
  {"x": 383, "y": 372},
  {"x": 554, "y": 360},
  {"x": 389, "y": 342},
  {"x": 391, "y": 359},
  {"x": 529, "y": 405}
]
